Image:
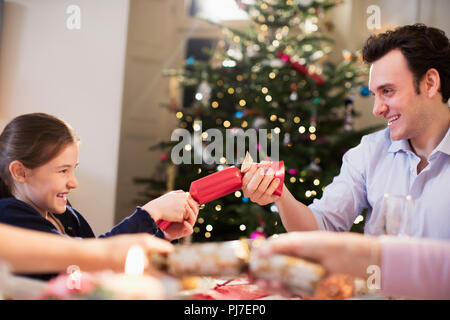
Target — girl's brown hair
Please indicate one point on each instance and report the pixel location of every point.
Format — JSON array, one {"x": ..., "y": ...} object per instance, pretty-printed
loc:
[{"x": 33, "y": 139}]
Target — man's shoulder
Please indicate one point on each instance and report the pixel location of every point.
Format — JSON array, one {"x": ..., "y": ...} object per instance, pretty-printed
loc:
[
  {"x": 380, "y": 137},
  {"x": 373, "y": 142}
]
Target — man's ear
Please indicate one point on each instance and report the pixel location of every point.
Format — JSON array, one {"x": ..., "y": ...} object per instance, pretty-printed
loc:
[
  {"x": 432, "y": 82},
  {"x": 18, "y": 171}
]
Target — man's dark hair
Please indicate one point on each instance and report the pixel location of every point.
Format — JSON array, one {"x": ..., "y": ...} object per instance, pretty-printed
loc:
[{"x": 423, "y": 47}]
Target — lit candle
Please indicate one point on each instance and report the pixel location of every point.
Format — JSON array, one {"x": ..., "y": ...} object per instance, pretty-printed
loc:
[
  {"x": 133, "y": 284},
  {"x": 136, "y": 261}
]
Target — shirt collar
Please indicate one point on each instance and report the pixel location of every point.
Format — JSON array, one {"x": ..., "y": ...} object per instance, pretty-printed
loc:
[
  {"x": 444, "y": 145},
  {"x": 397, "y": 145}
]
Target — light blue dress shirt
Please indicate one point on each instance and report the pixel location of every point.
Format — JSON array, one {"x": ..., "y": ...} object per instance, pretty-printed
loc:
[{"x": 378, "y": 166}]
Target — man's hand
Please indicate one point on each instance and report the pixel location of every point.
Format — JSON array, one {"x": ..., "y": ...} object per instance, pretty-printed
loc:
[{"x": 260, "y": 186}]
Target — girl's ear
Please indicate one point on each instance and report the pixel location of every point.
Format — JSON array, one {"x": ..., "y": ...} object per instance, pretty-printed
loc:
[{"x": 18, "y": 171}]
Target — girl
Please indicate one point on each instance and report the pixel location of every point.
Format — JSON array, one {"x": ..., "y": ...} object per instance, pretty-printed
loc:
[{"x": 38, "y": 156}]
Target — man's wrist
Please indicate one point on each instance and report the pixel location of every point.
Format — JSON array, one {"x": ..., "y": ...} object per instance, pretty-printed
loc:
[{"x": 281, "y": 198}]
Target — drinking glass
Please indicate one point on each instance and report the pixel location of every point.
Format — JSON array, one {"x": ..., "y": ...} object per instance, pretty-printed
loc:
[{"x": 397, "y": 214}]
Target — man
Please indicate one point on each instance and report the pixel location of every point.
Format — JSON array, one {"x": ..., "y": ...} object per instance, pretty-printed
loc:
[{"x": 410, "y": 81}]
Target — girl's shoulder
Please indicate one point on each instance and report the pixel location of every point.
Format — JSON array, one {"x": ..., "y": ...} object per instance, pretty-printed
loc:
[
  {"x": 17, "y": 213},
  {"x": 12, "y": 205}
]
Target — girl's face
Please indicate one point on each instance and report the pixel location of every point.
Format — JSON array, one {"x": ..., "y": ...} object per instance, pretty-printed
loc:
[{"x": 46, "y": 187}]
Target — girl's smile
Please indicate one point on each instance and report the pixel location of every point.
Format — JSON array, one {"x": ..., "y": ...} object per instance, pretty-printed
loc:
[{"x": 46, "y": 187}]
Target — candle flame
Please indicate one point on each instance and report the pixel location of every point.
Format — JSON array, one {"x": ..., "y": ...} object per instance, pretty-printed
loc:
[{"x": 136, "y": 261}]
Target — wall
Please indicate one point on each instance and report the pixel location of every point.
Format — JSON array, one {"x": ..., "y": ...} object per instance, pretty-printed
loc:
[{"x": 76, "y": 75}]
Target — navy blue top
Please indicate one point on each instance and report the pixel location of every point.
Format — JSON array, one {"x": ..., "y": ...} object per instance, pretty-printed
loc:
[{"x": 18, "y": 213}]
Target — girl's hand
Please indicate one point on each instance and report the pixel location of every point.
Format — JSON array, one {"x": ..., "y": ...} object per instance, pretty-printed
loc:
[
  {"x": 180, "y": 230},
  {"x": 111, "y": 252},
  {"x": 177, "y": 207},
  {"x": 170, "y": 206}
]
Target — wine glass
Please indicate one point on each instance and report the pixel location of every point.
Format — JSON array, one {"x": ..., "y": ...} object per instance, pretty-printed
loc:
[{"x": 397, "y": 214}]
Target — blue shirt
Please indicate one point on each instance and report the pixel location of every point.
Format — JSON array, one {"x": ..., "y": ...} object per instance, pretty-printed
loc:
[
  {"x": 20, "y": 214},
  {"x": 378, "y": 166}
]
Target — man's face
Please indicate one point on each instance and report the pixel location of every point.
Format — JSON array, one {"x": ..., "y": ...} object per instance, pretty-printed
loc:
[{"x": 396, "y": 99}]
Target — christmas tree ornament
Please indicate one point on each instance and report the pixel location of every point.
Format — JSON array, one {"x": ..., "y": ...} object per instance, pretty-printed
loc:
[
  {"x": 239, "y": 114},
  {"x": 304, "y": 3},
  {"x": 313, "y": 167},
  {"x": 287, "y": 139},
  {"x": 293, "y": 96},
  {"x": 259, "y": 123},
  {"x": 317, "y": 101},
  {"x": 163, "y": 157},
  {"x": 235, "y": 53},
  {"x": 258, "y": 234},
  {"x": 365, "y": 92},
  {"x": 276, "y": 63},
  {"x": 313, "y": 119},
  {"x": 190, "y": 61},
  {"x": 203, "y": 92},
  {"x": 252, "y": 50},
  {"x": 348, "y": 121}
]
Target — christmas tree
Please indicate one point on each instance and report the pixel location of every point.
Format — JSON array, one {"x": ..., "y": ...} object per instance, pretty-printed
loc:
[{"x": 275, "y": 75}]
